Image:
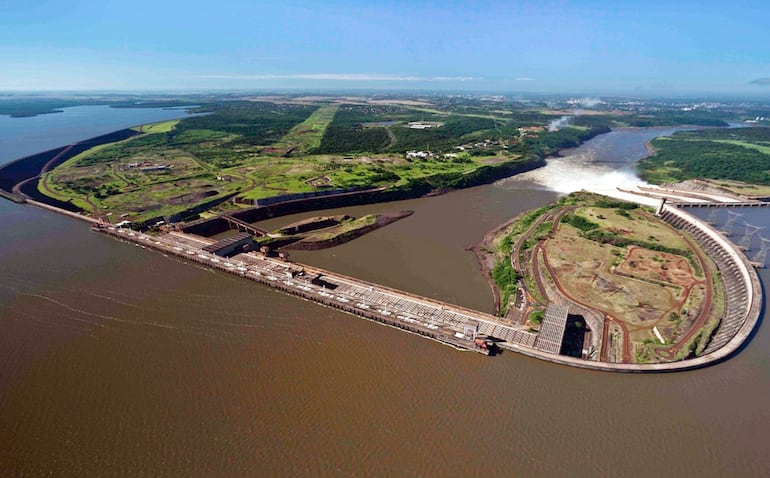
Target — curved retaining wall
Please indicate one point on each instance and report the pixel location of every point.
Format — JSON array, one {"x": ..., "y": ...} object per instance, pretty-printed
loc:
[{"x": 743, "y": 297}]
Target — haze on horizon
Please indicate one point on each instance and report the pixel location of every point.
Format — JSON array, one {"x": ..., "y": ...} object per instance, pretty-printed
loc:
[{"x": 586, "y": 46}]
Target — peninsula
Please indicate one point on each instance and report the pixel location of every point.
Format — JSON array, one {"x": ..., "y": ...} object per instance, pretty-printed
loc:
[{"x": 619, "y": 283}]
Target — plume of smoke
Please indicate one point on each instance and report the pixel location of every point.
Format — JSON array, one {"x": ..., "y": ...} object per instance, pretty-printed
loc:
[
  {"x": 565, "y": 120},
  {"x": 556, "y": 124}
]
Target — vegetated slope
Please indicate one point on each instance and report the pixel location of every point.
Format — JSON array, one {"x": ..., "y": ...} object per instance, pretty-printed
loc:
[
  {"x": 567, "y": 137},
  {"x": 741, "y": 154},
  {"x": 168, "y": 170}
]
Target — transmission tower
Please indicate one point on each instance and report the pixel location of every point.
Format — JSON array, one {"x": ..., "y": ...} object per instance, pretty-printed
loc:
[
  {"x": 751, "y": 229},
  {"x": 761, "y": 256},
  {"x": 731, "y": 218}
]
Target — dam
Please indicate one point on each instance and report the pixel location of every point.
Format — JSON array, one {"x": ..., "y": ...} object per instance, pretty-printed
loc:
[
  {"x": 451, "y": 324},
  {"x": 457, "y": 326}
]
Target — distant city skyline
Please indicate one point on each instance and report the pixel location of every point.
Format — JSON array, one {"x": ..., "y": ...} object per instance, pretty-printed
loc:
[{"x": 592, "y": 47}]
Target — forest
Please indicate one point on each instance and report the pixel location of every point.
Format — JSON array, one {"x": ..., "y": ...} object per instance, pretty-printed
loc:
[
  {"x": 740, "y": 154},
  {"x": 258, "y": 123}
]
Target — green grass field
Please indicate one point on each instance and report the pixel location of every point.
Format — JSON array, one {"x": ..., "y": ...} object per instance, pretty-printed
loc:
[
  {"x": 740, "y": 188},
  {"x": 162, "y": 127},
  {"x": 757, "y": 147},
  {"x": 307, "y": 135}
]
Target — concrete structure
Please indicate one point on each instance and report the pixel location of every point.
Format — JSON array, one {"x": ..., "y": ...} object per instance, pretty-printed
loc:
[
  {"x": 724, "y": 204},
  {"x": 245, "y": 226},
  {"x": 444, "y": 322},
  {"x": 450, "y": 323},
  {"x": 743, "y": 292},
  {"x": 241, "y": 242},
  {"x": 552, "y": 329},
  {"x": 743, "y": 297}
]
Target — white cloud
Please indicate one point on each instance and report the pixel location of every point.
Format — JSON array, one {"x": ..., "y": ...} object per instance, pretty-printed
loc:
[
  {"x": 525, "y": 78},
  {"x": 340, "y": 77}
]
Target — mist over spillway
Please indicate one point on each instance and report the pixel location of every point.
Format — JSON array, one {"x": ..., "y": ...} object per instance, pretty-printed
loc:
[
  {"x": 601, "y": 165},
  {"x": 576, "y": 173}
]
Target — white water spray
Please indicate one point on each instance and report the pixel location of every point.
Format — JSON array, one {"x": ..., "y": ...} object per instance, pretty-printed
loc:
[{"x": 581, "y": 171}]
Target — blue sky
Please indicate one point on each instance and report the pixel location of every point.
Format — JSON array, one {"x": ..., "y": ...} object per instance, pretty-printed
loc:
[{"x": 598, "y": 47}]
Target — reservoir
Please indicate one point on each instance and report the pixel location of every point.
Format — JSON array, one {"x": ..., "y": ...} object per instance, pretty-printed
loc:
[{"x": 117, "y": 361}]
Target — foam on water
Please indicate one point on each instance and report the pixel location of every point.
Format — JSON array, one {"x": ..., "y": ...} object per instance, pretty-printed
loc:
[
  {"x": 602, "y": 165},
  {"x": 567, "y": 175}
]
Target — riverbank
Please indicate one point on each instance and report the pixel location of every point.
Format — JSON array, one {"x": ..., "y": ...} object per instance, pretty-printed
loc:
[
  {"x": 417, "y": 189},
  {"x": 737, "y": 153},
  {"x": 486, "y": 257}
]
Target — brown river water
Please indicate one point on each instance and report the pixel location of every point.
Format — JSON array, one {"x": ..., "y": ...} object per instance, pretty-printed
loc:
[{"x": 118, "y": 361}]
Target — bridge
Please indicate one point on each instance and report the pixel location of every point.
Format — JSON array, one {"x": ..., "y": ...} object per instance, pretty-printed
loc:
[
  {"x": 236, "y": 223},
  {"x": 722, "y": 204}
]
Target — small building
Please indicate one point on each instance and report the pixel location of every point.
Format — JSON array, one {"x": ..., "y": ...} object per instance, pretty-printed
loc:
[
  {"x": 229, "y": 246},
  {"x": 418, "y": 154},
  {"x": 154, "y": 167},
  {"x": 424, "y": 124}
]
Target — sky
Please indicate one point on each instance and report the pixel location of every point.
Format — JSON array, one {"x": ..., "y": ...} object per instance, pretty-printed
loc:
[{"x": 647, "y": 47}]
